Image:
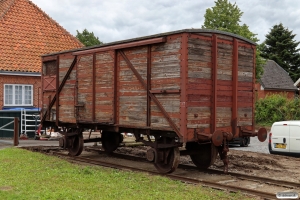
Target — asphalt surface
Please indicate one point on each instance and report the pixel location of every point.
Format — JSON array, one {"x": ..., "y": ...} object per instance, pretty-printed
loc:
[
  {"x": 254, "y": 146},
  {"x": 4, "y": 143}
]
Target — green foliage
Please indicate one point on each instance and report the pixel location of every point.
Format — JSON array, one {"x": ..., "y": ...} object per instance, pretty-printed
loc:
[
  {"x": 226, "y": 16},
  {"x": 276, "y": 107},
  {"x": 31, "y": 175},
  {"x": 281, "y": 47},
  {"x": 223, "y": 16},
  {"x": 88, "y": 38}
]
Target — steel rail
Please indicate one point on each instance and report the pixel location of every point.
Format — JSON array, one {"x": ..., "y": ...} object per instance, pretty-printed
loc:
[
  {"x": 211, "y": 184},
  {"x": 266, "y": 180}
]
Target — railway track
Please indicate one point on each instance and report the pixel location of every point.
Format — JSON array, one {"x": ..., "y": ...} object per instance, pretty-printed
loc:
[
  {"x": 211, "y": 171},
  {"x": 221, "y": 184}
]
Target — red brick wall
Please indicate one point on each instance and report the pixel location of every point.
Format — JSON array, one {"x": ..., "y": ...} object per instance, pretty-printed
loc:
[
  {"x": 29, "y": 80},
  {"x": 262, "y": 93}
]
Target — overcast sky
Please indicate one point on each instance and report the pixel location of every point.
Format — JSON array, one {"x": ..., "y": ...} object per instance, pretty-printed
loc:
[{"x": 113, "y": 20}]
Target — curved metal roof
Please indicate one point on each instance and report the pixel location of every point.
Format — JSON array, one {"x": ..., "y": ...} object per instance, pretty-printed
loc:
[{"x": 156, "y": 36}]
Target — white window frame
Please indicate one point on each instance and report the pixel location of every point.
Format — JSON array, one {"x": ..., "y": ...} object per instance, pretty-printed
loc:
[{"x": 23, "y": 95}]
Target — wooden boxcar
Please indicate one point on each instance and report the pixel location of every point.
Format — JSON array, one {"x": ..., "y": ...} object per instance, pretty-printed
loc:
[{"x": 190, "y": 88}]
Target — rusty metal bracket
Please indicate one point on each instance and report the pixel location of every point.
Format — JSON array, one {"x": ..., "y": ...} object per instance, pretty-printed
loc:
[
  {"x": 139, "y": 77},
  {"x": 200, "y": 135}
]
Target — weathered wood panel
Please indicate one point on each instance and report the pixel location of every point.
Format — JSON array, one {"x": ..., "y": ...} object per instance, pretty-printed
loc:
[
  {"x": 245, "y": 64},
  {"x": 198, "y": 117},
  {"x": 165, "y": 75},
  {"x": 245, "y": 116},
  {"x": 66, "y": 96},
  {"x": 246, "y": 93},
  {"x": 48, "y": 69},
  {"x": 199, "y": 88},
  {"x": 223, "y": 118},
  {"x": 131, "y": 93},
  {"x": 47, "y": 97},
  {"x": 104, "y": 83},
  {"x": 85, "y": 88},
  {"x": 224, "y": 61},
  {"x": 171, "y": 104}
]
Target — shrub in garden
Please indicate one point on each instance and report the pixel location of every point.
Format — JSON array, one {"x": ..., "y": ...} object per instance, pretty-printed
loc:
[{"x": 276, "y": 107}]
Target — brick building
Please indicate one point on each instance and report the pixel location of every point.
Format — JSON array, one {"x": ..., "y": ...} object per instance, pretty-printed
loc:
[
  {"x": 26, "y": 32},
  {"x": 275, "y": 80}
]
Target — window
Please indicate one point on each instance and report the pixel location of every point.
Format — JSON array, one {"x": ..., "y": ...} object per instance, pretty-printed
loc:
[{"x": 18, "y": 95}]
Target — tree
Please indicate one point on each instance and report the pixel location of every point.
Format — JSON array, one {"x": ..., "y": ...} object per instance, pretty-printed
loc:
[
  {"x": 88, "y": 38},
  {"x": 281, "y": 47},
  {"x": 225, "y": 16}
]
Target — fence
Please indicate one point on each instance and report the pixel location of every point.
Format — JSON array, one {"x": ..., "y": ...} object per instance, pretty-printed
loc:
[
  {"x": 27, "y": 125},
  {"x": 15, "y": 131}
]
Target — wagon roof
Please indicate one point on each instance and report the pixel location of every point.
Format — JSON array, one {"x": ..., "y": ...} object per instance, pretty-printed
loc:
[{"x": 156, "y": 36}]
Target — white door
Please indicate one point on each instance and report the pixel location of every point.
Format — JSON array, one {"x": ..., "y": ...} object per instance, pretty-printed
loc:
[
  {"x": 295, "y": 138},
  {"x": 280, "y": 138}
]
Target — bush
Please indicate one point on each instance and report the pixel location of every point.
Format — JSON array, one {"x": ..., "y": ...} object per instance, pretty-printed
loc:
[{"x": 276, "y": 107}]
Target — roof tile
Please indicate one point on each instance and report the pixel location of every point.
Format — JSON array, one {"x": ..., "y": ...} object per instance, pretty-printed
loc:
[
  {"x": 275, "y": 77},
  {"x": 26, "y": 33}
]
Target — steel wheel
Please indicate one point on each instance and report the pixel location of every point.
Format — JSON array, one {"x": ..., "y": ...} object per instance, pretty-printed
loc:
[
  {"x": 207, "y": 154},
  {"x": 170, "y": 160},
  {"x": 111, "y": 141},
  {"x": 77, "y": 145}
]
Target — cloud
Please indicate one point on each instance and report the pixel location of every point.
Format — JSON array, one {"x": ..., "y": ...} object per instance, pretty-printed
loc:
[{"x": 113, "y": 20}]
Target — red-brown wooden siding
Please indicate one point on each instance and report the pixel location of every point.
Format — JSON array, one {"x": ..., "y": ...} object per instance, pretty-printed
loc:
[{"x": 197, "y": 81}]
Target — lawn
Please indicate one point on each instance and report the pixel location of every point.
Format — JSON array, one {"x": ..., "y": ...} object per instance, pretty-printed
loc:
[{"x": 31, "y": 175}]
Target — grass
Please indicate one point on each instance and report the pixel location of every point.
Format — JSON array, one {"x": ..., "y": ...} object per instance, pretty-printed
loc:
[{"x": 31, "y": 175}]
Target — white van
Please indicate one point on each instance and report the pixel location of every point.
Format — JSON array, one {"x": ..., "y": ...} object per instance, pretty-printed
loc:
[{"x": 284, "y": 138}]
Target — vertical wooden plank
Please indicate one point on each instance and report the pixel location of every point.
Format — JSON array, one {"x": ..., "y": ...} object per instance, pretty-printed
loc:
[
  {"x": 94, "y": 88},
  {"x": 183, "y": 85},
  {"x": 234, "y": 85},
  {"x": 104, "y": 87},
  {"x": 116, "y": 88},
  {"x": 76, "y": 109},
  {"x": 253, "y": 87},
  {"x": 48, "y": 107},
  {"x": 214, "y": 82},
  {"x": 57, "y": 91},
  {"x": 148, "y": 86}
]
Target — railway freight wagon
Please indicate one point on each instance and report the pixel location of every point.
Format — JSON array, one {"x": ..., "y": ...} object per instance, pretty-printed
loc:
[{"x": 191, "y": 90}]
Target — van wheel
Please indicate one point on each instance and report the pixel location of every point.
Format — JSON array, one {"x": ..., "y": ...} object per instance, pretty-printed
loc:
[{"x": 245, "y": 142}]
